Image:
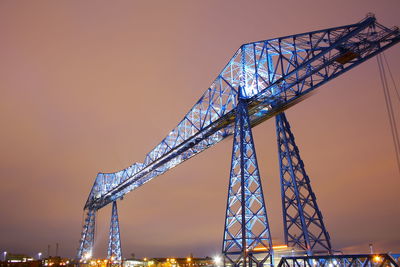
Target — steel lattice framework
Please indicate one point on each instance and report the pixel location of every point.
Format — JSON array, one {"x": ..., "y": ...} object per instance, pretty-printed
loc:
[
  {"x": 360, "y": 260},
  {"x": 87, "y": 240},
  {"x": 114, "y": 240},
  {"x": 272, "y": 76},
  {"x": 275, "y": 74},
  {"x": 246, "y": 223},
  {"x": 302, "y": 220}
]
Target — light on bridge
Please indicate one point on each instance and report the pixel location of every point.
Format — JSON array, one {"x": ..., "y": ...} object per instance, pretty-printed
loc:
[
  {"x": 377, "y": 258},
  {"x": 88, "y": 255},
  {"x": 218, "y": 260}
]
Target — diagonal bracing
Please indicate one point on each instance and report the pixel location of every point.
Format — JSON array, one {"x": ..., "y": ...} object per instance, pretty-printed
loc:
[
  {"x": 303, "y": 224},
  {"x": 247, "y": 238},
  {"x": 85, "y": 249},
  {"x": 274, "y": 73},
  {"x": 114, "y": 240}
]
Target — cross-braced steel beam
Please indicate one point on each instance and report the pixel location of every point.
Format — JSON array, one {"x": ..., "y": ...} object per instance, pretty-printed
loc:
[
  {"x": 302, "y": 220},
  {"x": 272, "y": 75},
  {"x": 359, "y": 260},
  {"x": 275, "y": 74},
  {"x": 247, "y": 239},
  {"x": 114, "y": 242},
  {"x": 87, "y": 238}
]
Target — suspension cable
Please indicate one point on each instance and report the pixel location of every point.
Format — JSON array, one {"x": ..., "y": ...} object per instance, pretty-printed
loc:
[
  {"x": 389, "y": 107},
  {"x": 391, "y": 77}
]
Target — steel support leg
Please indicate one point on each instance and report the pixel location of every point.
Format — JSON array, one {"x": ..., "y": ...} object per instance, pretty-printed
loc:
[
  {"x": 114, "y": 242},
  {"x": 247, "y": 239},
  {"x": 87, "y": 238},
  {"x": 303, "y": 223}
]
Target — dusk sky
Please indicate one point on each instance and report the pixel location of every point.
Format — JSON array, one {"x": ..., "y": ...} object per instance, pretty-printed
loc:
[{"x": 93, "y": 86}]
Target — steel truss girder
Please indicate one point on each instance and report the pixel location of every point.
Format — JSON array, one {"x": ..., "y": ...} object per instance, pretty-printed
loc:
[
  {"x": 359, "y": 260},
  {"x": 85, "y": 249},
  {"x": 275, "y": 73},
  {"x": 114, "y": 242},
  {"x": 247, "y": 239},
  {"x": 302, "y": 220}
]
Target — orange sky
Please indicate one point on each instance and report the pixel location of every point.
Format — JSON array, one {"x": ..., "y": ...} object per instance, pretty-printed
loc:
[{"x": 90, "y": 86}]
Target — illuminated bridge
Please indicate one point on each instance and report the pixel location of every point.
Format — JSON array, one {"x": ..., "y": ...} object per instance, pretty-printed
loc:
[{"x": 260, "y": 81}]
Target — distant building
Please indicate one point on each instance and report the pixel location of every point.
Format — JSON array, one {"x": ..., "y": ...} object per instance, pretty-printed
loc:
[
  {"x": 56, "y": 261},
  {"x": 21, "y": 260},
  {"x": 170, "y": 262},
  {"x": 134, "y": 263},
  {"x": 15, "y": 258}
]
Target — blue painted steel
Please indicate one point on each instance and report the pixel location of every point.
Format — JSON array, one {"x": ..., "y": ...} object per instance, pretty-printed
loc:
[
  {"x": 114, "y": 241},
  {"x": 357, "y": 260},
  {"x": 85, "y": 249},
  {"x": 303, "y": 223},
  {"x": 247, "y": 239},
  {"x": 275, "y": 74}
]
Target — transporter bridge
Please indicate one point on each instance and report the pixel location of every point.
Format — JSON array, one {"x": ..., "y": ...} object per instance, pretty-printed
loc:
[{"x": 260, "y": 82}]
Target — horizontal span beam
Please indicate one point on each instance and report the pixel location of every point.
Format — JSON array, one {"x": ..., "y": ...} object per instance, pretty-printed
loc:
[
  {"x": 339, "y": 260},
  {"x": 272, "y": 75}
]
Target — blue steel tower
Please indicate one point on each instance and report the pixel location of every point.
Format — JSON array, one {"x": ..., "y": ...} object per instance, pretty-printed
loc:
[
  {"x": 247, "y": 238},
  {"x": 114, "y": 240},
  {"x": 87, "y": 239},
  {"x": 260, "y": 81},
  {"x": 303, "y": 225}
]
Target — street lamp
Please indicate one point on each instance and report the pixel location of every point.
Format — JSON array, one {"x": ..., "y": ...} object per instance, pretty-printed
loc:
[
  {"x": 39, "y": 255},
  {"x": 5, "y": 255}
]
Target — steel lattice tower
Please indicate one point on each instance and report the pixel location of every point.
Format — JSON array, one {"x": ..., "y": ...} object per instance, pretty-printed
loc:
[
  {"x": 87, "y": 238},
  {"x": 261, "y": 80},
  {"x": 302, "y": 220},
  {"x": 247, "y": 238},
  {"x": 114, "y": 241}
]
